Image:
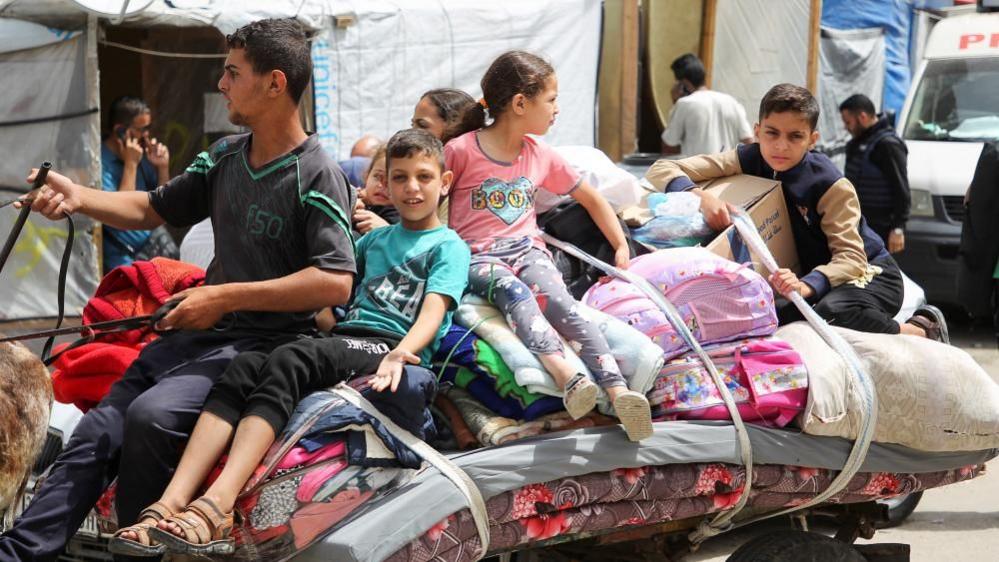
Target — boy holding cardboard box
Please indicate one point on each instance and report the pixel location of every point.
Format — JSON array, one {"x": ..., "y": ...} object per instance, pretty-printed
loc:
[{"x": 851, "y": 280}]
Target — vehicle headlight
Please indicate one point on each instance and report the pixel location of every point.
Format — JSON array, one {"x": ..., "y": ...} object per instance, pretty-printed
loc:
[{"x": 922, "y": 203}]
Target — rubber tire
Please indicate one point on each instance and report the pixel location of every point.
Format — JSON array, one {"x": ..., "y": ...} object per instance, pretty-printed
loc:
[
  {"x": 899, "y": 513},
  {"x": 795, "y": 546}
]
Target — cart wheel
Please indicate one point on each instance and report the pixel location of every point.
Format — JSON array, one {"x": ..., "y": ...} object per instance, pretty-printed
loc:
[
  {"x": 794, "y": 546},
  {"x": 899, "y": 509}
]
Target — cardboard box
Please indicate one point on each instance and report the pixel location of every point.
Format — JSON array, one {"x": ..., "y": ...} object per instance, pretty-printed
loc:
[{"x": 764, "y": 201}]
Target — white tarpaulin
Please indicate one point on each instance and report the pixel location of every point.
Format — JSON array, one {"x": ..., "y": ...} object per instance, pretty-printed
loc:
[
  {"x": 852, "y": 62},
  {"x": 759, "y": 43},
  {"x": 47, "y": 112},
  {"x": 369, "y": 76}
]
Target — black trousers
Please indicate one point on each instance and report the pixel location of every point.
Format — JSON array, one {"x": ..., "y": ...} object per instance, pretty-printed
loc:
[
  {"x": 868, "y": 309},
  {"x": 136, "y": 433},
  {"x": 269, "y": 385}
]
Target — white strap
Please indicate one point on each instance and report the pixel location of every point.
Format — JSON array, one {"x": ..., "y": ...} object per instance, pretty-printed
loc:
[
  {"x": 461, "y": 480},
  {"x": 859, "y": 380},
  {"x": 722, "y": 520}
]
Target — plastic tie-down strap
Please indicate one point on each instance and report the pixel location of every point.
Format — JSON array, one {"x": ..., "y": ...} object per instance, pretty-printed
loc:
[
  {"x": 859, "y": 379},
  {"x": 461, "y": 480}
]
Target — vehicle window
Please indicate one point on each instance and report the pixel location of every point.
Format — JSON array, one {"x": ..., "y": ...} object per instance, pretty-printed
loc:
[{"x": 956, "y": 100}]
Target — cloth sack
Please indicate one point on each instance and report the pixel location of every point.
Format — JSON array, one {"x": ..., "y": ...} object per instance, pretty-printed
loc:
[{"x": 931, "y": 396}]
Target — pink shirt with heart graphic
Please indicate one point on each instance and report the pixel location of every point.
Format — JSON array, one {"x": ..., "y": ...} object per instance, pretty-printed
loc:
[{"x": 492, "y": 200}]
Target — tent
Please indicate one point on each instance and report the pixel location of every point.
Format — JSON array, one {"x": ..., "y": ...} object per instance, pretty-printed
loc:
[{"x": 372, "y": 60}]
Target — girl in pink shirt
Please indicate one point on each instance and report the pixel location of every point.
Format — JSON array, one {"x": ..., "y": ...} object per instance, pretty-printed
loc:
[{"x": 497, "y": 171}]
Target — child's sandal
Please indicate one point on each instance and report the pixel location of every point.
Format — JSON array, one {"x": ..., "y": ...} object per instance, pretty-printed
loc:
[
  {"x": 207, "y": 530},
  {"x": 632, "y": 409},
  {"x": 580, "y": 396},
  {"x": 145, "y": 545}
]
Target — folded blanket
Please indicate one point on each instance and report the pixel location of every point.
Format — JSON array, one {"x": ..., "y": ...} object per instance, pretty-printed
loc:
[
  {"x": 638, "y": 357},
  {"x": 139, "y": 289},
  {"x": 84, "y": 375},
  {"x": 487, "y": 322},
  {"x": 469, "y": 362},
  {"x": 491, "y": 429},
  {"x": 463, "y": 435}
]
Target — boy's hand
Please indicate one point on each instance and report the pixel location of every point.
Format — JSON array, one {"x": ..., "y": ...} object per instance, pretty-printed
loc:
[
  {"x": 200, "y": 308},
  {"x": 622, "y": 257},
  {"x": 715, "y": 211},
  {"x": 785, "y": 282},
  {"x": 390, "y": 369},
  {"x": 58, "y": 196},
  {"x": 365, "y": 221}
]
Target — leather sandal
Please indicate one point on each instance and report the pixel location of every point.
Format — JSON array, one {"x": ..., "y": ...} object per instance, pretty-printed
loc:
[
  {"x": 145, "y": 545},
  {"x": 932, "y": 321},
  {"x": 207, "y": 530}
]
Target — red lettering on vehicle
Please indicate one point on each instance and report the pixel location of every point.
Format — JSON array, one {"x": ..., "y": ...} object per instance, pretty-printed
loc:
[
  {"x": 994, "y": 41},
  {"x": 969, "y": 38}
]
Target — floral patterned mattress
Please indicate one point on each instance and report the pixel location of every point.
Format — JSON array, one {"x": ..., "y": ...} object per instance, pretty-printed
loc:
[{"x": 593, "y": 503}]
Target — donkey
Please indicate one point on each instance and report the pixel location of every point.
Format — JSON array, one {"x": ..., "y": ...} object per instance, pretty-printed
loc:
[{"x": 25, "y": 404}]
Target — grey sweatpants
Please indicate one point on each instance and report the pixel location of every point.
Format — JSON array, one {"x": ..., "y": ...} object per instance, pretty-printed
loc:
[{"x": 523, "y": 282}]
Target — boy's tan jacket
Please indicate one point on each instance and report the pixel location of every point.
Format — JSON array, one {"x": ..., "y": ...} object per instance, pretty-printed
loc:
[{"x": 839, "y": 209}]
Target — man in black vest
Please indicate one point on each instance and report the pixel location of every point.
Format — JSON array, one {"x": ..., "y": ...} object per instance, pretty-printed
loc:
[{"x": 876, "y": 165}]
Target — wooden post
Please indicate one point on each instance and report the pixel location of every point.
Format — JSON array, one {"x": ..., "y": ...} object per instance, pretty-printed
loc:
[
  {"x": 629, "y": 77},
  {"x": 814, "y": 24},
  {"x": 708, "y": 39},
  {"x": 618, "y": 81}
]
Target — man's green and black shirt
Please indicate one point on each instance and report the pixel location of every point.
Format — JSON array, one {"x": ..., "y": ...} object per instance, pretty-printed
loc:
[{"x": 269, "y": 222}]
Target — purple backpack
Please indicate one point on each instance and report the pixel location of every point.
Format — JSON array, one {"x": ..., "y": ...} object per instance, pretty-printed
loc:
[{"x": 719, "y": 300}]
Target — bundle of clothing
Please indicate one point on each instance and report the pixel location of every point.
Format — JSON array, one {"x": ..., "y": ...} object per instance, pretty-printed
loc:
[
  {"x": 495, "y": 391},
  {"x": 330, "y": 460}
]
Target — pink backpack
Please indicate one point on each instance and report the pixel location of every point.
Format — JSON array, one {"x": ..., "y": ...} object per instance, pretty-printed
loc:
[
  {"x": 766, "y": 377},
  {"x": 719, "y": 300}
]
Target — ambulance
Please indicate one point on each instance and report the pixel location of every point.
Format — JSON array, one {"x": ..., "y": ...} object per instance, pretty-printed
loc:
[{"x": 950, "y": 112}]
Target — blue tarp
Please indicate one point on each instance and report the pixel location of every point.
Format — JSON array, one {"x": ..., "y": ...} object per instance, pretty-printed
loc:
[{"x": 895, "y": 18}]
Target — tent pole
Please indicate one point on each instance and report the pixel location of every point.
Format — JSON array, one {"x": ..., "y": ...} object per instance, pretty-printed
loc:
[
  {"x": 708, "y": 39},
  {"x": 814, "y": 23}
]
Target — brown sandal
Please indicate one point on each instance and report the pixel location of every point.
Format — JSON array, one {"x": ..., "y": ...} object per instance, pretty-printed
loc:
[
  {"x": 207, "y": 531},
  {"x": 144, "y": 546},
  {"x": 932, "y": 321}
]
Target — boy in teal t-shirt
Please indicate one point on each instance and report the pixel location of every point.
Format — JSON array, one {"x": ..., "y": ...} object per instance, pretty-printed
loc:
[{"x": 412, "y": 275}]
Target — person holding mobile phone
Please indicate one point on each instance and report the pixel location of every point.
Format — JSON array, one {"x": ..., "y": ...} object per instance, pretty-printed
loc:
[
  {"x": 131, "y": 160},
  {"x": 702, "y": 121}
]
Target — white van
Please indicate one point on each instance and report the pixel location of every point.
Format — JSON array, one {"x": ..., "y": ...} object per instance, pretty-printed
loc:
[{"x": 952, "y": 108}]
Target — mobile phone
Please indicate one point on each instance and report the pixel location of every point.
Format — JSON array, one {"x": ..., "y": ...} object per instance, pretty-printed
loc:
[{"x": 120, "y": 131}]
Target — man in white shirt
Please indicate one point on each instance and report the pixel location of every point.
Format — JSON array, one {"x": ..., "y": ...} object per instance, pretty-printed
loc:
[{"x": 702, "y": 121}]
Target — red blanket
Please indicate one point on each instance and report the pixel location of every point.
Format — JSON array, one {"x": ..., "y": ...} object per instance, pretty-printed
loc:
[
  {"x": 84, "y": 375},
  {"x": 139, "y": 289}
]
